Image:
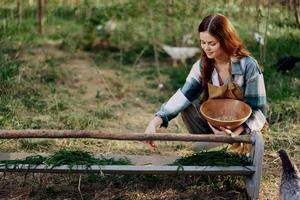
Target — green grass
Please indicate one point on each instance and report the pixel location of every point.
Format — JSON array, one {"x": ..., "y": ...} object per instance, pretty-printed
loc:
[
  {"x": 9, "y": 64},
  {"x": 65, "y": 157},
  {"x": 213, "y": 158},
  {"x": 35, "y": 144}
]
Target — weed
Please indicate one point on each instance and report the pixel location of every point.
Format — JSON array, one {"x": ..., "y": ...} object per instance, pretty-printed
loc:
[
  {"x": 60, "y": 105},
  {"x": 151, "y": 98},
  {"x": 82, "y": 89},
  {"x": 35, "y": 144},
  {"x": 177, "y": 77},
  {"x": 213, "y": 158},
  {"x": 65, "y": 157},
  {"x": 5, "y": 110},
  {"x": 103, "y": 113},
  {"x": 98, "y": 95},
  {"x": 84, "y": 121},
  {"x": 284, "y": 111},
  {"x": 9, "y": 64},
  {"x": 282, "y": 89},
  {"x": 32, "y": 99}
]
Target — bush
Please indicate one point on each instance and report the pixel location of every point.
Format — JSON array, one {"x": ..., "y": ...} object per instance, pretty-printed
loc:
[
  {"x": 286, "y": 112},
  {"x": 32, "y": 99}
]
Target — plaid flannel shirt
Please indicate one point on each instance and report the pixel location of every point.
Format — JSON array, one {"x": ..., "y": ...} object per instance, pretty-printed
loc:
[{"x": 245, "y": 72}]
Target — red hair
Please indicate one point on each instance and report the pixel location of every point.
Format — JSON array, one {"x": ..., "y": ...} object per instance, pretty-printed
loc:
[{"x": 220, "y": 27}]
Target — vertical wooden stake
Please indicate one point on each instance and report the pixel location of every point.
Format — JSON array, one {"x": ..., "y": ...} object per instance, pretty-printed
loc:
[
  {"x": 157, "y": 62},
  {"x": 19, "y": 11},
  {"x": 77, "y": 8},
  {"x": 157, "y": 65},
  {"x": 41, "y": 11},
  {"x": 296, "y": 4},
  {"x": 30, "y": 2},
  {"x": 266, "y": 34}
]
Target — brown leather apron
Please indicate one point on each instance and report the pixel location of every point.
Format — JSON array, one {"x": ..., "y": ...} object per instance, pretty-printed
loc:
[{"x": 232, "y": 91}]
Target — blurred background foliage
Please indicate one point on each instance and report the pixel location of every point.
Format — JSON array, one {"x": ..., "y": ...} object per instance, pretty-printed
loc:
[{"x": 125, "y": 34}]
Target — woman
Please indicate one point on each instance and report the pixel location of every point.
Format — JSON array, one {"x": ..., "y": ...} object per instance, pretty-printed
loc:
[{"x": 225, "y": 68}]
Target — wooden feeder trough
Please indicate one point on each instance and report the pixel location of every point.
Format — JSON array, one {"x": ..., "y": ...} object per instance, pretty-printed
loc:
[{"x": 252, "y": 173}]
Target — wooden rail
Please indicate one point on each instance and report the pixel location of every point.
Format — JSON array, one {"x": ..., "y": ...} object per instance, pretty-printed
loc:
[
  {"x": 127, "y": 169},
  {"x": 11, "y": 134}
]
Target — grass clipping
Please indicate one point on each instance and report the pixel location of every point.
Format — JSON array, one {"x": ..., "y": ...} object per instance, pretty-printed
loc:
[
  {"x": 214, "y": 158},
  {"x": 65, "y": 157}
]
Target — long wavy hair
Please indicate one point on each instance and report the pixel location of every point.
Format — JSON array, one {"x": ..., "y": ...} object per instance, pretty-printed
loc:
[{"x": 219, "y": 27}]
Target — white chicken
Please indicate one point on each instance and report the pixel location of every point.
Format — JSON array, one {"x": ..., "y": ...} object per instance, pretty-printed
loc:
[
  {"x": 259, "y": 38},
  {"x": 110, "y": 25},
  {"x": 290, "y": 180},
  {"x": 187, "y": 39},
  {"x": 106, "y": 30},
  {"x": 180, "y": 53}
]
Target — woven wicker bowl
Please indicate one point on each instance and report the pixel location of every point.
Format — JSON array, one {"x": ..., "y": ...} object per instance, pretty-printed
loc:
[{"x": 227, "y": 113}]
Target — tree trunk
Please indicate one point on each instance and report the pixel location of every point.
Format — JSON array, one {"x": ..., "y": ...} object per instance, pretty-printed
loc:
[
  {"x": 30, "y": 2},
  {"x": 77, "y": 8},
  {"x": 168, "y": 11},
  {"x": 257, "y": 15},
  {"x": 265, "y": 34},
  {"x": 19, "y": 11},
  {"x": 296, "y": 12},
  {"x": 41, "y": 11}
]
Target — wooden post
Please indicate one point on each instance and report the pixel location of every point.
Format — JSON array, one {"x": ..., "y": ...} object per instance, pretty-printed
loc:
[
  {"x": 296, "y": 4},
  {"x": 77, "y": 8},
  {"x": 41, "y": 11},
  {"x": 168, "y": 11},
  {"x": 258, "y": 17},
  {"x": 266, "y": 34},
  {"x": 19, "y": 11},
  {"x": 253, "y": 181},
  {"x": 10, "y": 134},
  {"x": 156, "y": 55},
  {"x": 30, "y": 2}
]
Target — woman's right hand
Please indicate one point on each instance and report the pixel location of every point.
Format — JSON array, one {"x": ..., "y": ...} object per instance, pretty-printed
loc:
[
  {"x": 225, "y": 131},
  {"x": 220, "y": 131},
  {"x": 151, "y": 128}
]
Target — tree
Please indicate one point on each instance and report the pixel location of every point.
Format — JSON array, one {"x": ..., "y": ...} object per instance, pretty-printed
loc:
[
  {"x": 19, "y": 11},
  {"x": 296, "y": 4},
  {"x": 41, "y": 11}
]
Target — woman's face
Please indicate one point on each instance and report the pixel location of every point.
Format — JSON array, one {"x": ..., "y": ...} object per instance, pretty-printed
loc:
[{"x": 211, "y": 46}]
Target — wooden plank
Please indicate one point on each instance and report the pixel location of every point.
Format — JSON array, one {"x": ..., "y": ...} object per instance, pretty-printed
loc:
[
  {"x": 142, "y": 164},
  {"x": 41, "y": 11},
  {"x": 14, "y": 134},
  {"x": 128, "y": 169}
]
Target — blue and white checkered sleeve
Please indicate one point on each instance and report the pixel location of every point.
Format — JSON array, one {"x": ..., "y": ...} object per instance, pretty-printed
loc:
[
  {"x": 255, "y": 96},
  {"x": 172, "y": 107},
  {"x": 183, "y": 97}
]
